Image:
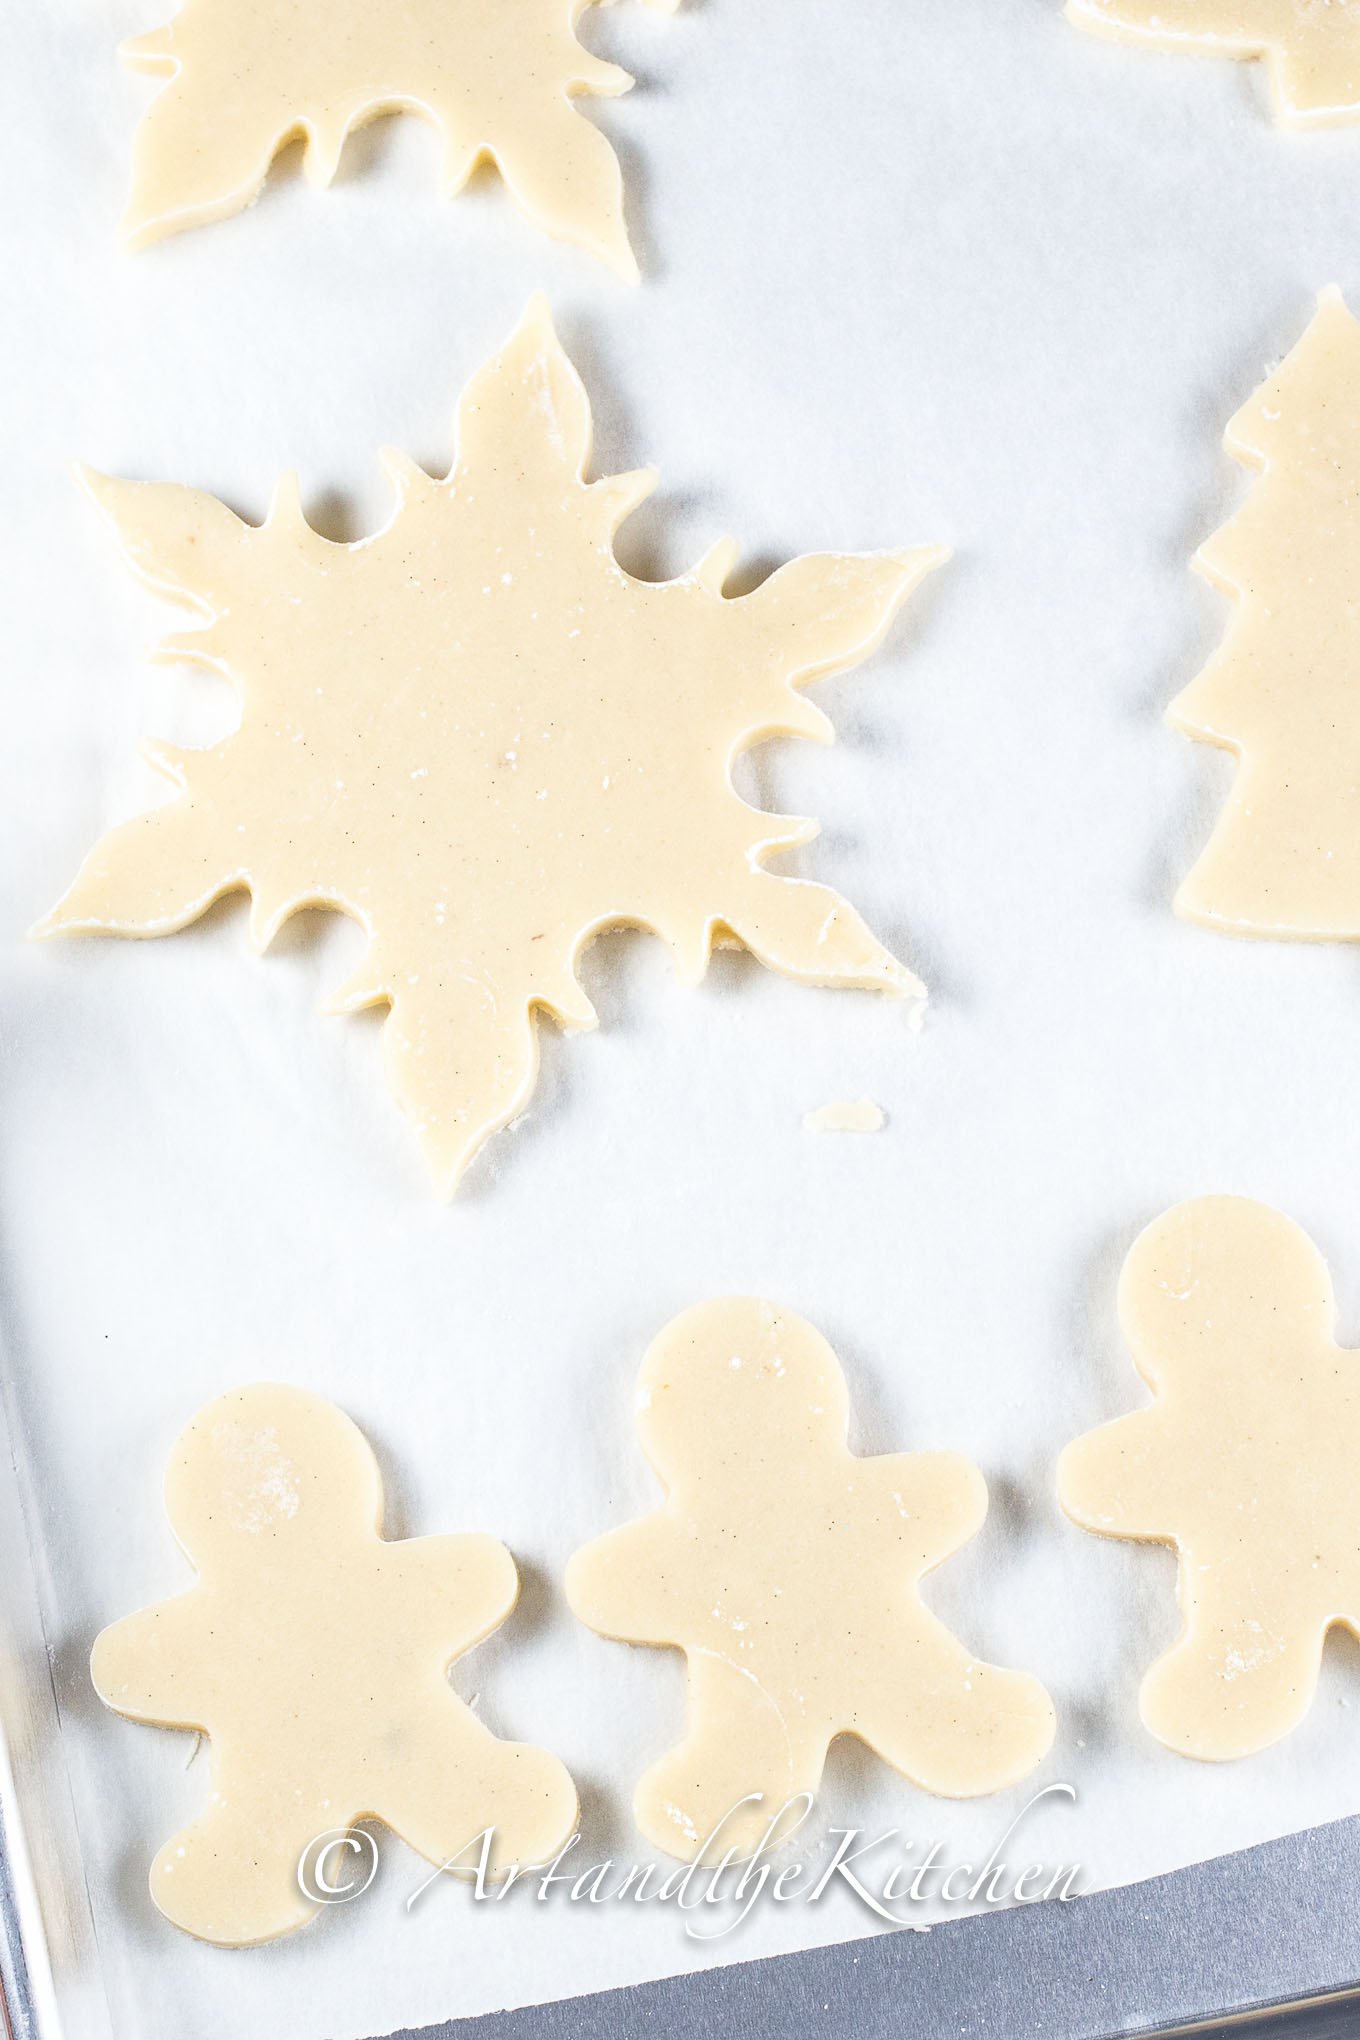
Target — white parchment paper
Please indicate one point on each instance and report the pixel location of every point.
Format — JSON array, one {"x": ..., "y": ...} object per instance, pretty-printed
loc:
[{"x": 912, "y": 272}]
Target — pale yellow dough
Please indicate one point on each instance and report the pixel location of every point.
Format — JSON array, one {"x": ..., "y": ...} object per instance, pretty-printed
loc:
[
  {"x": 853, "y": 1115},
  {"x": 786, "y": 1569},
  {"x": 1312, "y": 47},
  {"x": 314, "y": 1655},
  {"x": 1245, "y": 1462},
  {"x": 484, "y": 740},
  {"x": 1284, "y": 858},
  {"x": 247, "y": 76}
]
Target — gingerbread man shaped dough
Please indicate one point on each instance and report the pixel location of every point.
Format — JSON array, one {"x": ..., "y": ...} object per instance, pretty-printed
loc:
[
  {"x": 786, "y": 1570},
  {"x": 1246, "y": 1462},
  {"x": 314, "y": 1656}
]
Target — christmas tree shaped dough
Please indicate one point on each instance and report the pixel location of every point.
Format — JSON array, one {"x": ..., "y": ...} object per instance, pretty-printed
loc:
[
  {"x": 247, "y": 76},
  {"x": 314, "y": 1655},
  {"x": 1245, "y": 1462},
  {"x": 1312, "y": 47},
  {"x": 1284, "y": 859},
  {"x": 480, "y": 737},
  {"x": 786, "y": 1569}
]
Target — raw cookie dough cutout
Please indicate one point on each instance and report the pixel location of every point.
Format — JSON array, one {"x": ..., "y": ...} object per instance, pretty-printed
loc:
[
  {"x": 1245, "y": 1462},
  {"x": 1284, "y": 858},
  {"x": 850, "y": 1115},
  {"x": 786, "y": 1569},
  {"x": 1311, "y": 47},
  {"x": 314, "y": 1656},
  {"x": 481, "y": 738},
  {"x": 247, "y": 76}
]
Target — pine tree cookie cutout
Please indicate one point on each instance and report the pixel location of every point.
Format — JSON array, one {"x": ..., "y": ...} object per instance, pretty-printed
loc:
[
  {"x": 314, "y": 1656},
  {"x": 483, "y": 740},
  {"x": 1284, "y": 858},
  {"x": 1311, "y": 47},
  {"x": 497, "y": 82},
  {"x": 1245, "y": 1462},
  {"x": 786, "y": 1569}
]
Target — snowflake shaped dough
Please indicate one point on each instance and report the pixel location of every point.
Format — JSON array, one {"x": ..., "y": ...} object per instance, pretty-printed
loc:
[
  {"x": 314, "y": 1655},
  {"x": 786, "y": 1569},
  {"x": 1245, "y": 1462},
  {"x": 1312, "y": 47},
  {"x": 247, "y": 76},
  {"x": 480, "y": 737},
  {"x": 1284, "y": 857}
]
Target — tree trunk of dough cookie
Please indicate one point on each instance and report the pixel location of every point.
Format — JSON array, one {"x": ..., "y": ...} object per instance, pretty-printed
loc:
[
  {"x": 1272, "y": 866},
  {"x": 232, "y": 1877},
  {"x": 1234, "y": 1684},
  {"x": 467, "y": 1780},
  {"x": 739, "y": 1743},
  {"x": 958, "y": 1727},
  {"x": 461, "y": 1056}
]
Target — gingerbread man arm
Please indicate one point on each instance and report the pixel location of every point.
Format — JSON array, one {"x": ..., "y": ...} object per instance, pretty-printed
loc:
[
  {"x": 939, "y": 1498},
  {"x": 139, "y": 1665},
  {"x": 473, "y": 1573},
  {"x": 232, "y": 1876},
  {"x": 621, "y": 1585},
  {"x": 1115, "y": 1481}
]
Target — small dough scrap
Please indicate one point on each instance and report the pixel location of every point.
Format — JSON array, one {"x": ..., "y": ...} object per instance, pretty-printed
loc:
[
  {"x": 497, "y": 82},
  {"x": 481, "y": 738},
  {"x": 1311, "y": 47},
  {"x": 1284, "y": 858},
  {"x": 314, "y": 1656},
  {"x": 1245, "y": 1462},
  {"x": 786, "y": 1569},
  {"x": 852, "y": 1115}
]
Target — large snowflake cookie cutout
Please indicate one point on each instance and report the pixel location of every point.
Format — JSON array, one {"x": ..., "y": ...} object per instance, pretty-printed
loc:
[
  {"x": 484, "y": 740},
  {"x": 787, "y": 1570},
  {"x": 314, "y": 1655},
  {"x": 1311, "y": 47},
  {"x": 1245, "y": 1462},
  {"x": 247, "y": 76}
]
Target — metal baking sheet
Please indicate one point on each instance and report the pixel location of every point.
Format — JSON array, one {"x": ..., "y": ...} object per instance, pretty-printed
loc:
[{"x": 912, "y": 272}]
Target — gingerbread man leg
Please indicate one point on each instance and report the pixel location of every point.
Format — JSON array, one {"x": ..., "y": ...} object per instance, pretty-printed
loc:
[
  {"x": 951, "y": 1723},
  {"x": 231, "y": 1877},
  {"x": 739, "y": 1744},
  {"x": 467, "y": 1780},
  {"x": 1243, "y": 1678}
]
